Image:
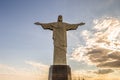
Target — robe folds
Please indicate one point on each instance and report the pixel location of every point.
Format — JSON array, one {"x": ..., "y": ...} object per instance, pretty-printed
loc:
[{"x": 60, "y": 39}]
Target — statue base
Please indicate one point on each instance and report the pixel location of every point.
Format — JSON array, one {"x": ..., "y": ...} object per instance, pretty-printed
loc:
[{"x": 59, "y": 72}]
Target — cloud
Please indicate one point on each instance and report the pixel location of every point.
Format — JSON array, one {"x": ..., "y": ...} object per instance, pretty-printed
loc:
[
  {"x": 114, "y": 55},
  {"x": 37, "y": 64},
  {"x": 40, "y": 66},
  {"x": 78, "y": 54},
  {"x": 98, "y": 55},
  {"x": 34, "y": 71},
  {"x": 12, "y": 73},
  {"x": 112, "y": 64},
  {"x": 96, "y": 74},
  {"x": 7, "y": 69},
  {"x": 102, "y": 44},
  {"x": 80, "y": 74},
  {"x": 104, "y": 71}
]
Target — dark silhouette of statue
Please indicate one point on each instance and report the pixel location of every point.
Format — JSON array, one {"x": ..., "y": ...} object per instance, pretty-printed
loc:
[{"x": 59, "y": 29}]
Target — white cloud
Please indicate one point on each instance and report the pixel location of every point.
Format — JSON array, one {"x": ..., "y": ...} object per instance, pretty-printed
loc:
[
  {"x": 37, "y": 71},
  {"x": 78, "y": 54},
  {"x": 12, "y": 73},
  {"x": 39, "y": 66},
  {"x": 102, "y": 44},
  {"x": 7, "y": 69}
]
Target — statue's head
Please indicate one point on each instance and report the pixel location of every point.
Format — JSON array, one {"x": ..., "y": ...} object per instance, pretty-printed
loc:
[{"x": 60, "y": 18}]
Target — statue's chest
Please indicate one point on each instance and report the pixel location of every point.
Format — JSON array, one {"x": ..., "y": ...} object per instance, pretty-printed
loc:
[{"x": 60, "y": 26}]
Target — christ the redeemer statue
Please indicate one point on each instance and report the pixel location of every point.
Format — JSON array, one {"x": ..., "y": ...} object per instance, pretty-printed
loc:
[{"x": 59, "y": 29}]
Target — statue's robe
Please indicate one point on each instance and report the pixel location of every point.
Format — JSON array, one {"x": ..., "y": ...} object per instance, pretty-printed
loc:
[{"x": 60, "y": 39}]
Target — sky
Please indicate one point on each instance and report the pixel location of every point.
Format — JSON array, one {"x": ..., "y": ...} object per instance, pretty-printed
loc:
[{"x": 26, "y": 50}]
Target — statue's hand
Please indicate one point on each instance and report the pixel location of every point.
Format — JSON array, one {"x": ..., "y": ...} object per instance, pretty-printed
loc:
[
  {"x": 37, "y": 23},
  {"x": 82, "y": 23}
]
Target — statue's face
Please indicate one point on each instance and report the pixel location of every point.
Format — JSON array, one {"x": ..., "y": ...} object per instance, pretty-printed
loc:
[{"x": 60, "y": 18}]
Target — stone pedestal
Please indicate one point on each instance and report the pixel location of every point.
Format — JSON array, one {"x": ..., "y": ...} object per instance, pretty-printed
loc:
[{"x": 59, "y": 72}]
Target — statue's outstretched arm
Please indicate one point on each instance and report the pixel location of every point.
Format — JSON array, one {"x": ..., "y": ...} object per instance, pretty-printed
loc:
[
  {"x": 38, "y": 23},
  {"x": 45, "y": 25},
  {"x": 73, "y": 26},
  {"x": 80, "y": 24}
]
